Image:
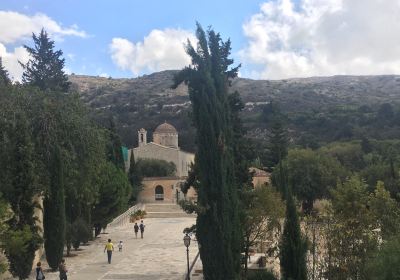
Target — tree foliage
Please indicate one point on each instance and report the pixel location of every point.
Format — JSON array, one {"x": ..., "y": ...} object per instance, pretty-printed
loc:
[
  {"x": 218, "y": 228},
  {"x": 45, "y": 68},
  {"x": 41, "y": 123},
  {"x": 135, "y": 177},
  {"x": 385, "y": 263},
  {"x": 154, "y": 168},
  {"x": 352, "y": 231},
  {"x": 310, "y": 174},
  {"x": 20, "y": 186},
  {"x": 262, "y": 217},
  {"x": 4, "y": 77},
  {"x": 293, "y": 246},
  {"x": 114, "y": 193},
  {"x": 54, "y": 214}
]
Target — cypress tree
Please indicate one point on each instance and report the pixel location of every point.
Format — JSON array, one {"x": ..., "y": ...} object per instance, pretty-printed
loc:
[
  {"x": 54, "y": 213},
  {"x": 293, "y": 246},
  {"x": 218, "y": 230},
  {"x": 134, "y": 178},
  {"x": 20, "y": 194},
  {"x": 45, "y": 68},
  {"x": 114, "y": 147},
  {"x": 278, "y": 141}
]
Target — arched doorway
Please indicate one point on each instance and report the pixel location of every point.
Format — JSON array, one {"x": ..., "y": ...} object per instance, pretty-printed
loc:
[{"x": 159, "y": 193}]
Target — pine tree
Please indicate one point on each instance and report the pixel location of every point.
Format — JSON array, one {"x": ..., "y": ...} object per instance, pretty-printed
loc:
[
  {"x": 45, "y": 68},
  {"x": 54, "y": 213},
  {"x": 4, "y": 78},
  {"x": 293, "y": 247},
  {"x": 218, "y": 230}
]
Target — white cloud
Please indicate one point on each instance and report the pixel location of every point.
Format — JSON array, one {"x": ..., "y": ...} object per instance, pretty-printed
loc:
[
  {"x": 323, "y": 37},
  {"x": 104, "y": 75},
  {"x": 159, "y": 50},
  {"x": 15, "y": 26},
  {"x": 10, "y": 61}
]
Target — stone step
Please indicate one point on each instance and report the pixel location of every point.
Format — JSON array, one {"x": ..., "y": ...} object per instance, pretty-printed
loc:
[
  {"x": 162, "y": 208},
  {"x": 181, "y": 214},
  {"x": 165, "y": 210}
]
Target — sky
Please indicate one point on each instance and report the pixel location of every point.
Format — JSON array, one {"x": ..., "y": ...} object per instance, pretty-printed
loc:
[{"x": 272, "y": 39}]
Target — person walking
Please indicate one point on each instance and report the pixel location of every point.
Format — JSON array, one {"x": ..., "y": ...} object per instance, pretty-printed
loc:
[
  {"x": 62, "y": 268},
  {"x": 39, "y": 272},
  {"x": 109, "y": 248},
  {"x": 141, "y": 229},
  {"x": 120, "y": 246},
  {"x": 136, "y": 227}
]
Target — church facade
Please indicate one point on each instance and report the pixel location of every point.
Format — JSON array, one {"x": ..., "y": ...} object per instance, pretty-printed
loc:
[{"x": 165, "y": 146}]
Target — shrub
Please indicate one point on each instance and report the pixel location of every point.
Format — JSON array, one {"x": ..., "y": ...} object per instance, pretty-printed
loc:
[
  {"x": 260, "y": 275},
  {"x": 80, "y": 233}
]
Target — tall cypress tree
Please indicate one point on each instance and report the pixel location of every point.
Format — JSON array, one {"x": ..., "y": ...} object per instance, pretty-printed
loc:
[
  {"x": 54, "y": 213},
  {"x": 114, "y": 147},
  {"x": 20, "y": 194},
  {"x": 134, "y": 178},
  {"x": 293, "y": 247},
  {"x": 45, "y": 68},
  {"x": 218, "y": 230}
]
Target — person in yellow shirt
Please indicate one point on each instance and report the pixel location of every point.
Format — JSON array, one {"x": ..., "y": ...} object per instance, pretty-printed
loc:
[{"x": 109, "y": 248}]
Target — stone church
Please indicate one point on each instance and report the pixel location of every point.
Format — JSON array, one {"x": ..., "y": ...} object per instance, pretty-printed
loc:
[{"x": 164, "y": 147}]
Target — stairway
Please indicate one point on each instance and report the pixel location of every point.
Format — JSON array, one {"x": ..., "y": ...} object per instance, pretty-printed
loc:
[{"x": 165, "y": 210}]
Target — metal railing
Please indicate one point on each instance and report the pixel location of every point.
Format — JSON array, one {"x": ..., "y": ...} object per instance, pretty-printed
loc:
[
  {"x": 189, "y": 275},
  {"x": 124, "y": 218}
]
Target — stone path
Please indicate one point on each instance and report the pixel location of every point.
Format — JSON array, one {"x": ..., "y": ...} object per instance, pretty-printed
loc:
[{"x": 160, "y": 255}]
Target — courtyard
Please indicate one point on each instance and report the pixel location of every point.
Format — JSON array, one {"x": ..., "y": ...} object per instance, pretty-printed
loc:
[{"x": 160, "y": 255}]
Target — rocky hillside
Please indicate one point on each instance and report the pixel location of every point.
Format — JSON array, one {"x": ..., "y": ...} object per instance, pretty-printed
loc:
[{"x": 148, "y": 100}]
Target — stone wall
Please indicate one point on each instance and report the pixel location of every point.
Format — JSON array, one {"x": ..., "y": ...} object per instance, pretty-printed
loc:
[
  {"x": 166, "y": 139},
  {"x": 170, "y": 185}
]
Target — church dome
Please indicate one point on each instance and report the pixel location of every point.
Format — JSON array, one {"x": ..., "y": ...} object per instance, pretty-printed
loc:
[{"x": 165, "y": 128}]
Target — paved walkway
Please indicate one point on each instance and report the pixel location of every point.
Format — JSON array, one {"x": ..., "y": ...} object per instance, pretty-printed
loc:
[{"x": 160, "y": 255}]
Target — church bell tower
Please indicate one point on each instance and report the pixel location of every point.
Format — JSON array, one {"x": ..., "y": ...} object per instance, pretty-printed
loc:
[{"x": 142, "y": 137}]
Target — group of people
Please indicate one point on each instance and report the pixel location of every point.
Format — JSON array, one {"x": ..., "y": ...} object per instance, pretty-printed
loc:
[
  {"x": 136, "y": 227},
  {"x": 109, "y": 248},
  {"x": 62, "y": 268}
]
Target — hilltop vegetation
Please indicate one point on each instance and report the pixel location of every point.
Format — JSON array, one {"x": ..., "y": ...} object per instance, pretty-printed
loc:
[{"x": 320, "y": 109}]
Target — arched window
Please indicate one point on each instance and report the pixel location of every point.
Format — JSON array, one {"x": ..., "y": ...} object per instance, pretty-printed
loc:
[{"x": 159, "y": 193}]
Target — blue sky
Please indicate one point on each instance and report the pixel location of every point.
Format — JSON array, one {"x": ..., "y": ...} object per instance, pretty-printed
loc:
[{"x": 272, "y": 39}]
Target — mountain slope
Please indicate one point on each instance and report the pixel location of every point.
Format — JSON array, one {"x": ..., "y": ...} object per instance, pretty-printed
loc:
[{"x": 149, "y": 100}]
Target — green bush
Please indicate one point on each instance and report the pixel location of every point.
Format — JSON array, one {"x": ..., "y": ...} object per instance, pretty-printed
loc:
[
  {"x": 155, "y": 168},
  {"x": 139, "y": 214},
  {"x": 385, "y": 264},
  {"x": 80, "y": 233},
  {"x": 260, "y": 275},
  {"x": 19, "y": 248}
]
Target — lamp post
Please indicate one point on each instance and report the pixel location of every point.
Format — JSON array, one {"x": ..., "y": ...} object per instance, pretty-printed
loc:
[{"x": 186, "y": 241}]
